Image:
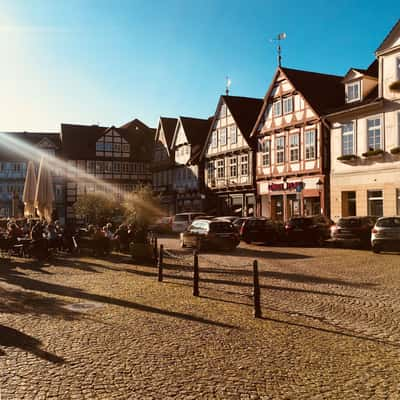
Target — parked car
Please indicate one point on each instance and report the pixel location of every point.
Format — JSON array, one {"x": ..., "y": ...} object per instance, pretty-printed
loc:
[
  {"x": 310, "y": 230},
  {"x": 386, "y": 234},
  {"x": 182, "y": 221},
  {"x": 230, "y": 218},
  {"x": 238, "y": 222},
  {"x": 204, "y": 233},
  {"x": 260, "y": 229},
  {"x": 162, "y": 225},
  {"x": 355, "y": 230}
]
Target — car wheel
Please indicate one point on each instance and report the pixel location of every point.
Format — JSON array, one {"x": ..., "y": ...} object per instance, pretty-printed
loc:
[{"x": 376, "y": 249}]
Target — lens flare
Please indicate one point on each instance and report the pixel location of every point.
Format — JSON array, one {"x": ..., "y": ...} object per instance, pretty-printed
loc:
[{"x": 71, "y": 172}]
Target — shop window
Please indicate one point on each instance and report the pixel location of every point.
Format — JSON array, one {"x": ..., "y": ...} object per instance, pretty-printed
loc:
[
  {"x": 348, "y": 203},
  {"x": 375, "y": 203},
  {"x": 397, "y": 201}
]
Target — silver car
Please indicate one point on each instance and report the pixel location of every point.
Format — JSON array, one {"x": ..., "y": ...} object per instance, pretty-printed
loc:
[{"x": 386, "y": 234}]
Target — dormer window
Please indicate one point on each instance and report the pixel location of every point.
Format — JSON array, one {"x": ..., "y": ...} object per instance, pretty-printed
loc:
[{"x": 353, "y": 91}]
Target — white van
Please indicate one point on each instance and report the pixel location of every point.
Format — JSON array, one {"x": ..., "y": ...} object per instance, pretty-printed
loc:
[{"x": 181, "y": 221}]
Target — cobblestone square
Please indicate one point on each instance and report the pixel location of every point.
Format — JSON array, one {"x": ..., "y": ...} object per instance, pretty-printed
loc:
[{"x": 86, "y": 328}]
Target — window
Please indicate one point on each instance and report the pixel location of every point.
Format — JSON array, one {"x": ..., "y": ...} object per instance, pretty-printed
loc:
[
  {"x": 375, "y": 203},
  {"x": 264, "y": 148},
  {"x": 287, "y": 105},
  {"x": 398, "y": 201},
  {"x": 280, "y": 150},
  {"x": 233, "y": 166},
  {"x": 348, "y": 203},
  {"x": 277, "y": 108},
  {"x": 222, "y": 137},
  {"x": 214, "y": 139},
  {"x": 211, "y": 170},
  {"x": 108, "y": 167},
  {"x": 100, "y": 146},
  {"x": 347, "y": 139},
  {"x": 310, "y": 145},
  {"x": 244, "y": 165},
  {"x": 125, "y": 148},
  {"x": 117, "y": 167},
  {"x": 99, "y": 167},
  {"x": 398, "y": 68},
  {"x": 108, "y": 147},
  {"x": 353, "y": 92},
  {"x": 233, "y": 134},
  {"x": 374, "y": 133},
  {"x": 90, "y": 166},
  {"x": 221, "y": 168},
  {"x": 294, "y": 147}
]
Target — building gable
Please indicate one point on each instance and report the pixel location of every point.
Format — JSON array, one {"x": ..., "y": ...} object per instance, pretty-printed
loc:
[
  {"x": 112, "y": 144},
  {"x": 46, "y": 144},
  {"x": 391, "y": 41}
]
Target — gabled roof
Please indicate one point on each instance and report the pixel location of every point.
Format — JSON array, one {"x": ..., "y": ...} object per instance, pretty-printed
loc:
[
  {"x": 32, "y": 138},
  {"x": 168, "y": 125},
  {"x": 196, "y": 130},
  {"x": 244, "y": 111},
  {"x": 395, "y": 31},
  {"x": 321, "y": 91},
  {"x": 79, "y": 141},
  {"x": 372, "y": 70}
]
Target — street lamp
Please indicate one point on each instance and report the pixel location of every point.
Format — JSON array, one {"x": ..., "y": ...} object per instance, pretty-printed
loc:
[{"x": 320, "y": 186}]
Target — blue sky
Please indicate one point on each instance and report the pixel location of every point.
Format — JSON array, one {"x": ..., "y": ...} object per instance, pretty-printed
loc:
[{"x": 109, "y": 61}]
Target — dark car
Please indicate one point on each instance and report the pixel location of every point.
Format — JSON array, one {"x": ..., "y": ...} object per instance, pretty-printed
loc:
[
  {"x": 353, "y": 230},
  {"x": 386, "y": 235},
  {"x": 162, "y": 225},
  {"x": 310, "y": 230},
  {"x": 204, "y": 233},
  {"x": 238, "y": 222},
  {"x": 260, "y": 229}
]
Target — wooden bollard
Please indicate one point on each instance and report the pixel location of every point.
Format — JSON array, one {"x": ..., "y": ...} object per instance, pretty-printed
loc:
[
  {"x": 256, "y": 283},
  {"x": 195, "y": 273},
  {"x": 155, "y": 248},
  {"x": 160, "y": 263}
]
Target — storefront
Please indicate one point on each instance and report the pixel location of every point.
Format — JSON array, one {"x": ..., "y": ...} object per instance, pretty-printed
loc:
[
  {"x": 281, "y": 200},
  {"x": 189, "y": 201},
  {"x": 239, "y": 204}
]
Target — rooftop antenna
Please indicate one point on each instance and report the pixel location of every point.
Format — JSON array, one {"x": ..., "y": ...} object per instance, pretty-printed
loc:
[
  {"x": 278, "y": 38},
  {"x": 228, "y": 85}
]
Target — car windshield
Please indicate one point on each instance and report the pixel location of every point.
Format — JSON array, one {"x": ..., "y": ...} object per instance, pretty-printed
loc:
[
  {"x": 298, "y": 222},
  {"x": 350, "y": 222},
  {"x": 181, "y": 218},
  {"x": 220, "y": 227},
  {"x": 389, "y": 223}
]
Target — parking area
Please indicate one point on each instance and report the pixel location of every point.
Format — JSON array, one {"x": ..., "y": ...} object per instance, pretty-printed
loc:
[{"x": 106, "y": 328}]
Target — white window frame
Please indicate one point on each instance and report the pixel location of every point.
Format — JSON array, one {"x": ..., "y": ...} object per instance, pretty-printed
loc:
[
  {"x": 397, "y": 67},
  {"x": 372, "y": 131},
  {"x": 233, "y": 164},
  {"x": 349, "y": 88},
  {"x": 210, "y": 170},
  {"x": 277, "y": 108},
  {"x": 222, "y": 137},
  {"x": 214, "y": 139},
  {"x": 280, "y": 150},
  {"x": 233, "y": 136},
  {"x": 310, "y": 145},
  {"x": 244, "y": 165},
  {"x": 265, "y": 150},
  {"x": 287, "y": 105},
  {"x": 221, "y": 168},
  {"x": 345, "y": 134},
  {"x": 294, "y": 147}
]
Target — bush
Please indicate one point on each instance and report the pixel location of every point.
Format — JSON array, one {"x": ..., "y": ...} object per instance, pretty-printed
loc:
[
  {"x": 395, "y": 86},
  {"x": 395, "y": 150},
  {"x": 347, "y": 157}
]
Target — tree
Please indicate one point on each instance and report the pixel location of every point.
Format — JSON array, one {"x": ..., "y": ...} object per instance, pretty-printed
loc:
[{"x": 97, "y": 209}]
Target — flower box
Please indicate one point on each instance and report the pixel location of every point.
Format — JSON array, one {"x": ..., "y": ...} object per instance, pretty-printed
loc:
[
  {"x": 347, "y": 157},
  {"x": 395, "y": 86},
  {"x": 372, "y": 153},
  {"x": 395, "y": 150}
]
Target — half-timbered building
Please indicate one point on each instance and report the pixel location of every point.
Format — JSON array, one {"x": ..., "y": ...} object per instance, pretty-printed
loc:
[
  {"x": 229, "y": 155},
  {"x": 119, "y": 156},
  {"x": 163, "y": 164},
  {"x": 293, "y": 157},
  {"x": 187, "y": 144}
]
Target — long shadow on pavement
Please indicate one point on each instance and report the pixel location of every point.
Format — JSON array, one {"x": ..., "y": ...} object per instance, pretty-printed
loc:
[{"x": 10, "y": 337}]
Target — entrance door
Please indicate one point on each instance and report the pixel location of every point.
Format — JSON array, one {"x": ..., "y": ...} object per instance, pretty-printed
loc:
[
  {"x": 293, "y": 205},
  {"x": 277, "y": 208}
]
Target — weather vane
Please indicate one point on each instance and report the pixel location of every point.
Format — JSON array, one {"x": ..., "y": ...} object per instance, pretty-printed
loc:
[
  {"x": 228, "y": 85},
  {"x": 278, "y": 38}
]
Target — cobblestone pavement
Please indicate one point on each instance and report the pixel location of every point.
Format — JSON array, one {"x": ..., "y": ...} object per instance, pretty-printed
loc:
[{"x": 107, "y": 329}]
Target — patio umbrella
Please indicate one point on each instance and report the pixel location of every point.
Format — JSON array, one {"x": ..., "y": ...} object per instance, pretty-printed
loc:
[
  {"x": 44, "y": 196},
  {"x": 28, "y": 196}
]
